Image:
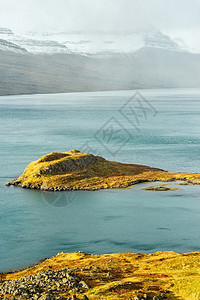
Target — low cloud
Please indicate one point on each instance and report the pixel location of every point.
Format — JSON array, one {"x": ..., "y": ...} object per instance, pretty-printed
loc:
[{"x": 100, "y": 15}]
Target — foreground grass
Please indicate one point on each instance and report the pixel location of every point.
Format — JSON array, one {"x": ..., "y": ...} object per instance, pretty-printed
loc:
[{"x": 125, "y": 275}]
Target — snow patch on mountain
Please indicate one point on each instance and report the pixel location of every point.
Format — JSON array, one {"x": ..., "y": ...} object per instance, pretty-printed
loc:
[
  {"x": 161, "y": 41},
  {"x": 38, "y": 46},
  {"x": 100, "y": 44},
  {"x": 89, "y": 43},
  {"x": 35, "y": 44},
  {"x": 8, "y": 46}
]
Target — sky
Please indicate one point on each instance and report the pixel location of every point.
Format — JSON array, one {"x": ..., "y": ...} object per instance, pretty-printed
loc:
[
  {"x": 99, "y": 15},
  {"x": 179, "y": 18}
]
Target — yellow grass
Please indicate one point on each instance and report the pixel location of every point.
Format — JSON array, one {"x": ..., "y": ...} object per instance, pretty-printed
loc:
[{"x": 125, "y": 275}]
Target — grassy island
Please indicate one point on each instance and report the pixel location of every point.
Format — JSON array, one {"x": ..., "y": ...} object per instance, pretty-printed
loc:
[{"x": 74, "y": 170}]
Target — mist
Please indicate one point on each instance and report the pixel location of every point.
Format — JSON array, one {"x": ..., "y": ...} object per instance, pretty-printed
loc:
[{"x": 100, "y": 15}]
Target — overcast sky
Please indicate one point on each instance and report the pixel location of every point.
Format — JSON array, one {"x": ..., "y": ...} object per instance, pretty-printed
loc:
[{"x": 101, "y": 15}]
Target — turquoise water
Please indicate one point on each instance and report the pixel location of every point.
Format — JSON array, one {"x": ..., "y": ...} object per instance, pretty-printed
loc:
[{"x": 161, "y": 129}]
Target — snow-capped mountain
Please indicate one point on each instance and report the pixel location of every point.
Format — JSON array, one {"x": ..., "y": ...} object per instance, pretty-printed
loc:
[
  {"x": 100, "y": 61},
  {"x": 125, "y": 61},
  {"x": 8, "y": 46},
  {"x": 83, "y": 43},
  {"x": 161, "y": 41},
  {"x": 35, "y": 44},
  {"x": 86, "y": 43}
]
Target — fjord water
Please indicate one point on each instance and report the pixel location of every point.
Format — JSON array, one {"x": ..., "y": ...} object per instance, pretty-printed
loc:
[{"x": 36, "y": 224}]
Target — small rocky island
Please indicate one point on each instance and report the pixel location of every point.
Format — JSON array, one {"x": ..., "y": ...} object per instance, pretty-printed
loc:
[{"x": 75, "y": 170}]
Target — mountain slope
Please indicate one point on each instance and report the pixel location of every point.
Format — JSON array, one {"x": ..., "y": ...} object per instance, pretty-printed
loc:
[
  {"x": 27, "y": 74},
  {"x": 93, "y": 62},
  {"x": 56, "y": 73}
]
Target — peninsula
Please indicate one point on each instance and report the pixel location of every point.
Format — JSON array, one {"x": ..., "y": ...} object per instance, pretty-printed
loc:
[{"x": 75, "y": 170}]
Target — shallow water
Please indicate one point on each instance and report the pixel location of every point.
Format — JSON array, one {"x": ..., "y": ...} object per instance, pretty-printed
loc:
[{"x": 163, "y": 133}]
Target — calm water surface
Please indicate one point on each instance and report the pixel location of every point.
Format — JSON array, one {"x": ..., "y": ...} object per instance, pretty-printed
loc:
[{"x": 35, "y": 224}]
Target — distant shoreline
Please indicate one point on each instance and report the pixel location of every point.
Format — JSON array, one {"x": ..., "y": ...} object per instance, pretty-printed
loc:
[{"x": 100, "y": 91}]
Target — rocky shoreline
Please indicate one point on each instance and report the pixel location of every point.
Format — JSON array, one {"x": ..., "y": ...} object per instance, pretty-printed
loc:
[
  {"x": 71, "y": 188},
  {"x": 47, "y": 285}
]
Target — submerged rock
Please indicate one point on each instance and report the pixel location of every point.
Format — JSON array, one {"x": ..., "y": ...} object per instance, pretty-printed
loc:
[{"x": 160, "y": 188}]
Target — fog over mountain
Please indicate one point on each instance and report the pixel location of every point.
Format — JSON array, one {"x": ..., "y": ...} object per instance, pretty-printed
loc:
[{"x": 85, "y": 45}]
